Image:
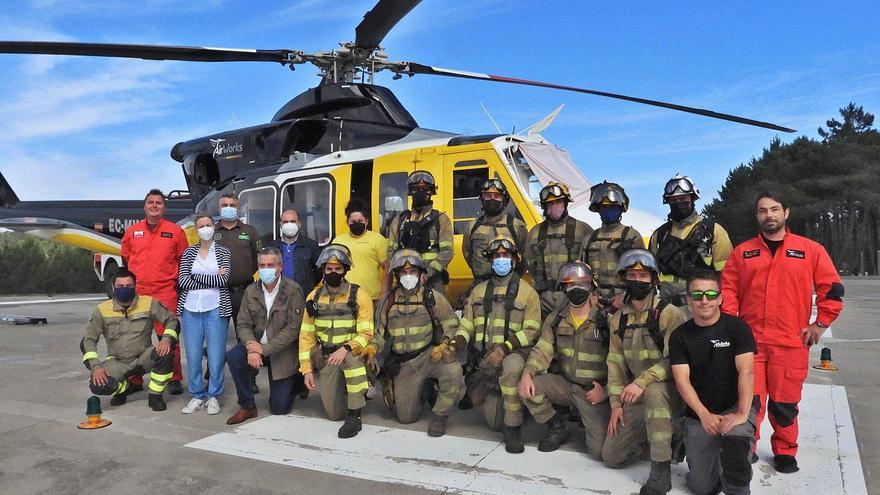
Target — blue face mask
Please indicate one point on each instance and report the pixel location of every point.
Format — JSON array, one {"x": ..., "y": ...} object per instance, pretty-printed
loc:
[
  {"x": 228, "y": 213},
  {"x": 502, "y": 266},
  {"x": 267, "y": 275},
  {"x": 610, "y": 214},
  {"x": 123, "y": 294}
]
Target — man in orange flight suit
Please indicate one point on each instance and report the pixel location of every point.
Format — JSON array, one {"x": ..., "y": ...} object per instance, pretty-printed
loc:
[
  {"x": 769, "y": 282},
  {"x": 151, "y": 250}
]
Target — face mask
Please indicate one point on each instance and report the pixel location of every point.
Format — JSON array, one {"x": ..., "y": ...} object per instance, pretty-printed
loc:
[
  {"x": 578, "y": 296},
  {"x": 492, "y": 207},
  {"x": 555, "y": 211},
  {"x": 680, "y": 211},
  {"x": 267, "y": 275},
  {"x": 357, "y": 228},
  {"x": 502, "y": 266},
  {"x": 421, "y": 198},
  {"x": 333, "y": 279},
  {"x": 409, "y": 282},
  {"x": 228, "y": 213},
  {"x": 638, "y": 290},
  {"x": 289, "y": 229},
  {"x": 206, "y": 233},
  {"x": 610, "y": 214},
  {"x": 123, "y": 294}
]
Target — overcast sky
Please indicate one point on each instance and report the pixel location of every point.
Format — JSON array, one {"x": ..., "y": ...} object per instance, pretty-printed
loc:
[{"x": 99, "y": 128}]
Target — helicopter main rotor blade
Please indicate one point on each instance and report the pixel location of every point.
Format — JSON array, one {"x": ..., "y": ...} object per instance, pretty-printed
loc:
[
  {"x": 413, "y": 68},
  {"x": 148, "y": 52},
  {"x": 378, "y": 21}
]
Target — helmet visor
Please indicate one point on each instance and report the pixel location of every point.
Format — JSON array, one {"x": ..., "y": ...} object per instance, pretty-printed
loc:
[
  {"x": 500, "y": 245},
  {"x": 551, "y": 193},
  {"x": 495, "y": 184},
  {"x": 420, "y": 177},
  {"x": 605, "y": 194},
  {"x": 679, "y": 186}
]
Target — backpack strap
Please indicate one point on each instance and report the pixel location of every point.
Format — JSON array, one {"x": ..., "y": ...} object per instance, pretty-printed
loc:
[
  {"x": 542, "y": 245},
  {"x": 554, "y": 324},
  {"x": 488, "y": 299},
  {"x": 621, "y": 327},
  {"x": 570, "y": 226},
  {"x": 312, "y": 304},
  {"x": 352, "y": 300},
  {"x": 429, "y": 302},
  {"x": 509, "y": 301},
  {"x": 654, "y": 324},
  {"x": 403, "y": 217}
]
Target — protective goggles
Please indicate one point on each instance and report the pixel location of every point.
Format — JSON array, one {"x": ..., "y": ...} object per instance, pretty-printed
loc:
[
  {"x": 678, "y": 186},
  {"x": 608, "y": 195},
  {"x": 697, "y": 295},
  {"x": 495, "y": 184},
  {"x": 553, "y": 191},
  {"x": 418, "y": 177},
  {"x": 500, "y": 245}
]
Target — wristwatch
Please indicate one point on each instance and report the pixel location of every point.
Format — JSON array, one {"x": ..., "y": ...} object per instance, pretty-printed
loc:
[
  {"x": 821, "y": 325},
  {"x": 346, "y": 347}
]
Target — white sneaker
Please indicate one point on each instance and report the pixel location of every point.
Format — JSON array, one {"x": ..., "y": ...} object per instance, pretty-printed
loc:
[
  {"x": 213, "y": 406},
  {"x": 193, "y": 406}
]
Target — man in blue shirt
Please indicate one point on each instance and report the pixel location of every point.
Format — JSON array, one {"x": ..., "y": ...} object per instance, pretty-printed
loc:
[{"x": 298, "y": 253}]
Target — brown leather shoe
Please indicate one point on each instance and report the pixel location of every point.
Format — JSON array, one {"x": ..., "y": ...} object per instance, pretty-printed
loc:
[{"x": 243, "y": 414}]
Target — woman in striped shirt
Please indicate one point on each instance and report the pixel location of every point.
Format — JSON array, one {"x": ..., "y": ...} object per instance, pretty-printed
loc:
[{"x": 204, "y": 308}]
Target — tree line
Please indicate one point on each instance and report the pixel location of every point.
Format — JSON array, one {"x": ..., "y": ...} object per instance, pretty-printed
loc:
[
  {"x": 29, "y": 265},
  {"x": 832, "y": 186}
]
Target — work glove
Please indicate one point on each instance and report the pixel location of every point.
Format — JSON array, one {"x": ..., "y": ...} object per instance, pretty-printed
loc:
[
  {"x": 369, "y": 352},
  {"x": 444, "y": 351},
  {"x": 496, "y": 355}
]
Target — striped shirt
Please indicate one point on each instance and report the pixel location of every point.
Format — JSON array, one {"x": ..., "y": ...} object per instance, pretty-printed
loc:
[{"x": 187, "y": 280}]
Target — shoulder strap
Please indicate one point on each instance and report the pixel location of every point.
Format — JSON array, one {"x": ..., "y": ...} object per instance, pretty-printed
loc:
[
  {"x": 662, "y": 232},
  {"x": 435, "y": 218},
  {"x": 429, "y": 302},
  {"x": 594, "y": 236},
  {"x": 570, "y": 225},
  {"x": 312, "y": 304},
  {"x": 403, "y": 217},
  {"x": 654, "y": 324},
  {"x": 477, "y": 224},
  {"x": 542, "y": 245},
  {"x": 509, "y": 301},
  {"x": 556, "y": 321},
  {"x": 488, "y": 299},
  {"x": 510, "y": 219},
  {"x": 352, "y": 300},
  {"x": 621, "y": 327}
]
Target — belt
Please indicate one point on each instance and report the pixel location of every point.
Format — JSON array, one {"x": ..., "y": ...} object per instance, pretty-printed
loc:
[
  {"x": 329, "y": 349},
  {"x": 409, "y": 356}
]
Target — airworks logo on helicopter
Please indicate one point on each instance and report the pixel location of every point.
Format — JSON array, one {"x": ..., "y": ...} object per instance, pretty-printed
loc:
[{"x": 221, "y": 147}]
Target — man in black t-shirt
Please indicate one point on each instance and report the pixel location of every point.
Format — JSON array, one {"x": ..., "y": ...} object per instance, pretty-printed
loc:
[{"x": 712, "y": 356}]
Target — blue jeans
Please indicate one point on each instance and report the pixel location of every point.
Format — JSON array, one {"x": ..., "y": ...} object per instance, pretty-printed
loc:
[
  {"x": 281, "y": 392},
  {"x": 204, "y": 330}
]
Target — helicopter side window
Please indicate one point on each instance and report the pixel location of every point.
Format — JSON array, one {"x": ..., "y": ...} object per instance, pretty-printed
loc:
[
  {"x": 466, "y": 196},
  {"x": 258, "y": 209},
  {"x": 392, "y": 198},
  {"x": 311, "y": 198}
]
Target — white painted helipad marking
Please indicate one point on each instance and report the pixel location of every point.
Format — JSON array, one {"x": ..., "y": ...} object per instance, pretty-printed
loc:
[
  {"x": 46, "y": 301},
  {"x": 828, "y": 457}
]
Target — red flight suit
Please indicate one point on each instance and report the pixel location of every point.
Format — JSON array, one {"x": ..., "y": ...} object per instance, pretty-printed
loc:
[
  {"x": 154, "y": 257},
  {"x": 774, "y": 296}
]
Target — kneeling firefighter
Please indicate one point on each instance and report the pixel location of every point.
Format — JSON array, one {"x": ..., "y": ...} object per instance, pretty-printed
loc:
[
  {"x": 415, "y": 325},
  {"x": 501, "y": 320}
]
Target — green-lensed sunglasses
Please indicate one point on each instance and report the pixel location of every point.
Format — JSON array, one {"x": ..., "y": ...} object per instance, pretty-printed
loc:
[{"x": 697, "y": 295}]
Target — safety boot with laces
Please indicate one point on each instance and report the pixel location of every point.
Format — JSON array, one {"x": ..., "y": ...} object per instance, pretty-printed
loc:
[
  {"x": 557, "y": 434},
  {"x": 352, "y": 424},
  {"x": 659, "y": 481}
]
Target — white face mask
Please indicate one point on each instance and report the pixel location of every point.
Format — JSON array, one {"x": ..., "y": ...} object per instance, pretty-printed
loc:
[
  {"x": 409, "y": 282},
  {"x": 206, "y": 233},
  {"x": 289, "y": 229}
]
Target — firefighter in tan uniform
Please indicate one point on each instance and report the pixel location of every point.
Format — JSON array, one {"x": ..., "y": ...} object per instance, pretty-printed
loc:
[
  {"x": 414, "y": 326},
  {"x": 552, "y": 243},
  {"x": 603, "y": 248},
  {"x": 571, "y": 336},
  {"x": 424, "y": 229},
  {"x": 494, "y": 221},
  {"x": 688, "y": 242},
  {"x": 645, "y": 407},
  {"x": 501, "y": 320},
  {"x": 336, "y": 328},
  {"x": 126, "y": 323}
]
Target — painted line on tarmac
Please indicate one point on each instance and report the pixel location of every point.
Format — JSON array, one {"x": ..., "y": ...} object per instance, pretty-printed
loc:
[
  {"x": 47, "y": 301},
  {"x": 828, "y": 456}
]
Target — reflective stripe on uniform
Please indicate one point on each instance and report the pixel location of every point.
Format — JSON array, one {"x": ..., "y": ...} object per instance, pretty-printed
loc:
[
  {"x": 324, "y": 323},
  {"x": 354, "y": 373},
  {"x": 305, "y": 355},
  {"x": 171, "y": 332},
  {"x": 591, "y": 358},
  {"x": 90, "y": 355}
]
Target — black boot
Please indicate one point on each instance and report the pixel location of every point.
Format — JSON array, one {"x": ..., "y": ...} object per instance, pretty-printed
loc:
[
  {"x": 557, "y": 433},
  {"x": 465, "y": 403},
  {"x": 174, "y": 388},
  {"x": 352, "y": 424},
  {"x": 659, "y": 481},
  {"x": 156, "y": 402},
  {"x": 785, "y": 463},
  {"x": 513, "y": 442},
  {"x": 254, "y": 386},
  {"x": 437, "y": 426}
]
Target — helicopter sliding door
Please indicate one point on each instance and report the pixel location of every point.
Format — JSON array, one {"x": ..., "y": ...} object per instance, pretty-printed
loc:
[{"x": 257, "y": 208}]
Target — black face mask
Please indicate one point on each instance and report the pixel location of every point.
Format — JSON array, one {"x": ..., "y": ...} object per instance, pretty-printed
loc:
[
  {"x": 357, "y": 228},
  {"x": 680, "y": 211},
  {"x": 333, "y": 279},
  {"x": 421, "y": 198},
  {"x": 492, "y": 207},
  {"x": 123, "y": 294},
  {"x": 578, "y": 296},
  {"x": 638, "y": 290}
]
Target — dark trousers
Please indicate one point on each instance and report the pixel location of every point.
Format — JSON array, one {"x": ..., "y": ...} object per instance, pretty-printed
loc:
[{"x": 281, "y": 392}]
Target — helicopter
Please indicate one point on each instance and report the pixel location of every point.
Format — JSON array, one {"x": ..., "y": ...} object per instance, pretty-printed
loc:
[{"x": 349, "y": 138}]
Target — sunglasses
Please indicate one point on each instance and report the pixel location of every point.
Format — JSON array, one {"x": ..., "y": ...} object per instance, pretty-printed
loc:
[{"x": 697, "y": 295}]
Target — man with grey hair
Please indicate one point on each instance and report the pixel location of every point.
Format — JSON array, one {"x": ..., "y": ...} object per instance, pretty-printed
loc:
[
  {"x": 298, "y": 252},
  {"x": 268, "y": 333}
]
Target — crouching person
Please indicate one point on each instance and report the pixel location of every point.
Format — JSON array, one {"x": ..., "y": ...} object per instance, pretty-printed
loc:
[
  {"x": 712, "y": 358},
  {"x": 336, "y": 329},
  {"x": 571, "y": 336},
  {"x": 415, "y": 325},
  {"x": 268, "y": 328},
  {"x": 126, "y": 323},
  {"x": 645, "y": 408}
]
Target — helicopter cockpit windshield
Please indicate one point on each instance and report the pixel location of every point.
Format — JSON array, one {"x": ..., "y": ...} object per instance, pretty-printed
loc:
[
  {"x": 537, "y": 164},
  {"x": 525, "y": 176}
]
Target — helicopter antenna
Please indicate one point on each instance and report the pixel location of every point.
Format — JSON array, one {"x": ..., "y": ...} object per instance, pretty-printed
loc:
[{"x": 491, "y": 119}]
